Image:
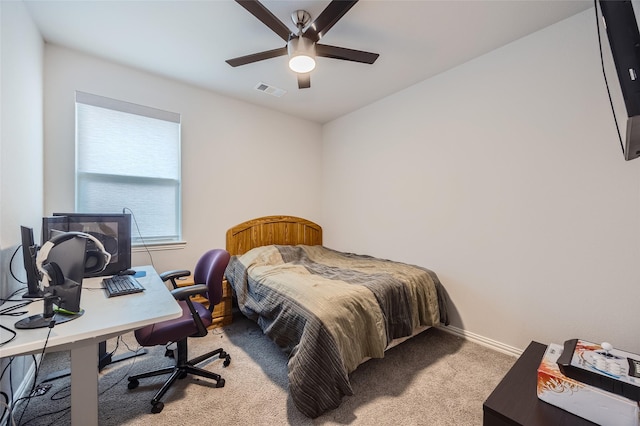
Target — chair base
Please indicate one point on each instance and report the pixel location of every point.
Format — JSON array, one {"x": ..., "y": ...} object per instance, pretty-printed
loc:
[{"x": 180, "y": 371}]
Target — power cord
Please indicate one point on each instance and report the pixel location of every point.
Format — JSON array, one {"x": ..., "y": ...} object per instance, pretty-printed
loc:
[
  {"x": 9, "y": 299},
  {"x": 35, "y": 379},
  {"x": 54, "y": 421},
  {"x": 118, "y": 339},
  {"x": 9, "y": 311},
  {"x": 6, "y": 406},
  {"x": 11, "y": 265},
  {"x": 135, "y": 221},
  {"x": 56, "y": 396},
  {"x": 12, "y": 332},
  {"x": 4, "y": 370}
]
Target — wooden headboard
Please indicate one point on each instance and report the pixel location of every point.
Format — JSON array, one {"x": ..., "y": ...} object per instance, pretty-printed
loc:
[{"x": 263, "y": 231}]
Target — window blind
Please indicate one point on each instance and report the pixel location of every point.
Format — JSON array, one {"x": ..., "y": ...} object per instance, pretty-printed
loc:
[{"x": 128, "y": 157}]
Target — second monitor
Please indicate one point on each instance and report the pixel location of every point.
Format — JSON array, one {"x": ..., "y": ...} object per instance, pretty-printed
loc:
[{"x": 112, "y": 230}]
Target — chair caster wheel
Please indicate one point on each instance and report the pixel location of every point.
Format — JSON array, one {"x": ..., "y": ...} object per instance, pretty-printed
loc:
[
  {"x": 227, "y": 361},
  {"x": 157, "y": 407},
  {"x": 220, "y": 383},
  {"x": 133, "y": 383}
]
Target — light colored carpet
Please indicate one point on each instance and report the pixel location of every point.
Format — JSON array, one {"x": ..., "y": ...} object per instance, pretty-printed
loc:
[{"x": 435, "y": 378}]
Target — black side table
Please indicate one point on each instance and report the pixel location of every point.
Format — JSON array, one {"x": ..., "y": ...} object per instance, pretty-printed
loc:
[{"x": 515, "y": 401}]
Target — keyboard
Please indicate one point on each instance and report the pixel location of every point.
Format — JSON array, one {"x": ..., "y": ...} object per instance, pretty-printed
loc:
[{"x": 119, "y": 285}]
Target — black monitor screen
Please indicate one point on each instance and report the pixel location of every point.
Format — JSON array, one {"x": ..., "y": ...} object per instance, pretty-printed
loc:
[{"x": 112, "y": 230}]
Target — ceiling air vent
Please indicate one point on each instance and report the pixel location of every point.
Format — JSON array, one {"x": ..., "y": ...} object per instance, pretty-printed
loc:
[{"x": 271, "y": 90}]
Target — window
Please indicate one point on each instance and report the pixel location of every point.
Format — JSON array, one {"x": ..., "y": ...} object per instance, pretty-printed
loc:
[{"x": 128, "y": 160}]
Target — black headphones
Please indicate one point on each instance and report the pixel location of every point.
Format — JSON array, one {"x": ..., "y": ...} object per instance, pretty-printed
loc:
[
  {"x": 53, "y": 272},
  {"x": 96, "y": 260}
]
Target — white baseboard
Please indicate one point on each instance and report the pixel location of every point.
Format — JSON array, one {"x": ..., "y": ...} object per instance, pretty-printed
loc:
[{"x": 481, "y": 340}]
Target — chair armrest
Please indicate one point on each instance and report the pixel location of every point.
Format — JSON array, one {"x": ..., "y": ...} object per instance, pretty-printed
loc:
[
  {"x": 182, "y": 293},
  {"x": 178, "y": 273},
  {"x": 174, "y": 275}
]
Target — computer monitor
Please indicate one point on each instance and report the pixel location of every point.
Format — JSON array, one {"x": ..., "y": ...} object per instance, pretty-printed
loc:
[
  {"x": 112, "y": 230},
  {"x": 29, "y": 249}
]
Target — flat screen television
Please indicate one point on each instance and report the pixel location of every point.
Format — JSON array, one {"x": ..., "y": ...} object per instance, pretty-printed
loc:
[
  {"x": 624, "y": 39},
  {"x": 112, "y": 230}
]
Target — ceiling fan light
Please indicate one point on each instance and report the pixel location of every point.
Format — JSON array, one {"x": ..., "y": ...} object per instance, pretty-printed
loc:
[
  {"x": 302, "y": 64},
  {"x": 302, "y": 55}
]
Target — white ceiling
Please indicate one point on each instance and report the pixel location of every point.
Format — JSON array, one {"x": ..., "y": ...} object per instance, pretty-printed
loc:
[{"x": 190, "y": 41}]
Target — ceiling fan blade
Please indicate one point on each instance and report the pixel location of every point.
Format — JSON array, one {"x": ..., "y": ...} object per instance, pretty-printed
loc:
[
  {"x": 266, "y": 17},
  {"x": 335, "y": 52},
  {"x": 327, "y": 19},
  {"x": 255, "y": 57},
  {"x": 304, "y": 80}
]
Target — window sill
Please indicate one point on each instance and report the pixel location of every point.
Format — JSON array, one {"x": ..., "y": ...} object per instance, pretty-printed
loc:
[{"x": 174, "y": 245}]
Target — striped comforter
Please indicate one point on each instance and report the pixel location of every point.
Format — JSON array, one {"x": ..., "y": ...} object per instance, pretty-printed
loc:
[{"x": 330, "y": 311}]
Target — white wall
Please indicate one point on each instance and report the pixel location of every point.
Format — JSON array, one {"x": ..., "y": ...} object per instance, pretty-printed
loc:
[
  {"x": 238, "y": 160},
  {"x": 505, "y": 176},
  {"x": 21, "y": 149},
  {"x": 21, "y": 52}
]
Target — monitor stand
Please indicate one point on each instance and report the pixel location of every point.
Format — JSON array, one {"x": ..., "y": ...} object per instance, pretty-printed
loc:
[{"x": 36, "y": 295}]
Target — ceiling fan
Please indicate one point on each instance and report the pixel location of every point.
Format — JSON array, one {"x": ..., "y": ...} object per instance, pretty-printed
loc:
[{"x": 303, "y": 47}]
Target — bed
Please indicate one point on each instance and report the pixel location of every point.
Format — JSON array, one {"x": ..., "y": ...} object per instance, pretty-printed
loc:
[{"x": 329, "y": 310}]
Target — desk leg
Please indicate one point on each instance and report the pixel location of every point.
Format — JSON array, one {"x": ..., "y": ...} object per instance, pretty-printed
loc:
[{"x": 84, "y": 385}]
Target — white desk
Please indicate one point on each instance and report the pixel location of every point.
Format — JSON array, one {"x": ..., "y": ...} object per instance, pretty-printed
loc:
[{"x": 103, "y": 319}]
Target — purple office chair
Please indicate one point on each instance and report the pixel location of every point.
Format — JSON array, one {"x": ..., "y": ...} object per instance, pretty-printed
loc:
[{"x": 195, "y": 319}]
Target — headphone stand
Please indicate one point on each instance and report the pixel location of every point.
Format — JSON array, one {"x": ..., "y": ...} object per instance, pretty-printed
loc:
[{"x": 40, "y": 321}]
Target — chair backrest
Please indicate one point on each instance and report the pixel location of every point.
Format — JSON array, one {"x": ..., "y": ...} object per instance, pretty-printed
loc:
[{"x": 210, "y": 271}]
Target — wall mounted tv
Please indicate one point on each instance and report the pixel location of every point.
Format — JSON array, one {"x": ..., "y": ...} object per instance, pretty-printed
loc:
[
  {"x": 624, "y": 39},
  {"x": 112, "y": 230}
]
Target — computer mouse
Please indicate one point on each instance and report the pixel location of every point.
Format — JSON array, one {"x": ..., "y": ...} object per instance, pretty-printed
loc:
[{"x": 127, "y": 272}]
